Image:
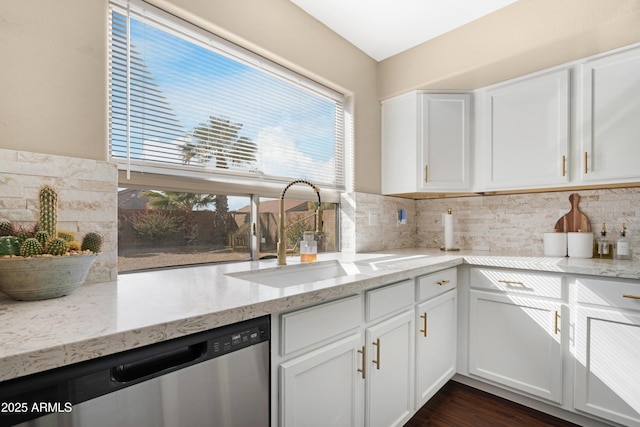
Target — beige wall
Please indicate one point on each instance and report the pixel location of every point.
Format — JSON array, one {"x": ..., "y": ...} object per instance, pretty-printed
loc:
[
  {"x": 527, "y": 36},
  {"x": 53, "y": 77}
]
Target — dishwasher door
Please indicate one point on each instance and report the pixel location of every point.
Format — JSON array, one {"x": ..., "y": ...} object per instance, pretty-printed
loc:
[
  {"x": 230, "y": 390},
  {"x": 218, "y": 378}
]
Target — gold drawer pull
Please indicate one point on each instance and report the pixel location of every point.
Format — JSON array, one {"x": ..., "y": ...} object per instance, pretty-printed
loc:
[
  {"x": 564, "y": 165},
  {"x": 424, "y": 330},
  {"x": 631, "y": 296},
  {"x": 511, "y": 282},
  {"x": 364, "y": 364},
  {"x": 426, "y": 173},
  {"x": 586, "y": 158},
  {"x": 556, "y": 322},
  {"x": 377, "y": 361},
  {"x": 442, "y": 282}
]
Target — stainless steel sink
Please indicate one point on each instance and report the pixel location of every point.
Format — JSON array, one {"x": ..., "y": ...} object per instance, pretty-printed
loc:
[{"x": 292, "y": 275}]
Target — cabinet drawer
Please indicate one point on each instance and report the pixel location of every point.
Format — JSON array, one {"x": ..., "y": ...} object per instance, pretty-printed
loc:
[
  {"x": 609, "y": 292},
  {"x": 312, "y": 325},
  {"x": 517, "y": 281},
  {"x": 437, "y": 283},
  {"x": 386, "y": 300}
]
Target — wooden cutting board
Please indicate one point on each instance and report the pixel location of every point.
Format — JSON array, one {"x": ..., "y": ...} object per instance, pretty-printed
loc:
[{"x": 574, "y": 220}]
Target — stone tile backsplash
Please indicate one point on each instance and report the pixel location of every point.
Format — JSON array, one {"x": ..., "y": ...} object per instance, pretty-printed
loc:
[
  {"x": 513, "y": 222},
  {"x": 370, "y": 223},
  {"x": 88, "y": 202},
  {"x": 87, "y": 198}
]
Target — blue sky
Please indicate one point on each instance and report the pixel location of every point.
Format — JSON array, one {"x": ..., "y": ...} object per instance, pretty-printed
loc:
[{"x": 198, "y": 83}]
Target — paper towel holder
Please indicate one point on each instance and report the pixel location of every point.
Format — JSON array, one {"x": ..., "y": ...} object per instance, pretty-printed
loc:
[{"x": 448, "y": 228}]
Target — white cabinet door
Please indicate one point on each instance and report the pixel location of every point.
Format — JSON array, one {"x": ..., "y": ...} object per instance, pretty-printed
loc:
[
  {"x": 445, "y": 143},
  {"x": 399, "y": 166},
  {"x": 607, "y": 371},
  {"x": 527, "y": 133},
  {"x": 436, "y": 326},
  {"x": 324, "y": 387},
  {"x": 610, "y": 124},
  {"x": 516, "y": 341},
  {"x": 390, "y": 349},
  {"x": 426, "y": 143}
]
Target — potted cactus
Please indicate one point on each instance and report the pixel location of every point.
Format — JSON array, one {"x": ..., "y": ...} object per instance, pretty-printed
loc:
[{"x": 44, "y": 262}]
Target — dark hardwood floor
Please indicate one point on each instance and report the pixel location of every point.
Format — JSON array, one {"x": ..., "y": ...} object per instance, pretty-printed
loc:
[{"x": 458, "y": 405}]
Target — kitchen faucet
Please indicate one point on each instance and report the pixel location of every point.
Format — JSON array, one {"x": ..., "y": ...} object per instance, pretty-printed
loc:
[{"x": 282, "y": 250}]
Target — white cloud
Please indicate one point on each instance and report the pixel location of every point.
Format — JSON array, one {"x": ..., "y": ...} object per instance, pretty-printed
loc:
[
  {"x": 278, "y": 156},
  {"x": 155, "y": 150}
]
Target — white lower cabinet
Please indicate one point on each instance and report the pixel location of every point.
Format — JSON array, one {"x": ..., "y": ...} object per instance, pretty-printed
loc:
[
  {"x": 436, "y": 324},
  {"x": 324, "y": 387},
  {"x": 516, "y": 340},
  {"x": 607, "y": 352},
  {"x": 352, "y": 361},
  {"x": 436, "y": 333},
  {"x": 389, "y": 396}
]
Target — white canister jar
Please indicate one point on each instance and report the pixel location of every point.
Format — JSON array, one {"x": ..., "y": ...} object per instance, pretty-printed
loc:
[
  {"x": 555, "y": 244},
  {"x": 580, "y": 245}
]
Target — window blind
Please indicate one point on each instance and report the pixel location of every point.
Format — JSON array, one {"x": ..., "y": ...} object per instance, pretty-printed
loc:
[{"x": 189, "y": 103}]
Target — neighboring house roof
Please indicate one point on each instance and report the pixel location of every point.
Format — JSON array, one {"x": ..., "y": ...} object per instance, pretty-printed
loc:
[{"x": 132, "y": 199}]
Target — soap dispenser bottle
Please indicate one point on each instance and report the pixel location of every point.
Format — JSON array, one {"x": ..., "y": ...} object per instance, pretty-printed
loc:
[
  {"x": 308, "y": 247},
  {"x": 603, "y": 247},
  {"x": 623, "y": 249}
]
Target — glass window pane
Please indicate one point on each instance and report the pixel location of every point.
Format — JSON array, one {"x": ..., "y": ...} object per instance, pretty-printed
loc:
[
  {"x": 165, "y": 229},
  {"x": 299, "y": 217}
]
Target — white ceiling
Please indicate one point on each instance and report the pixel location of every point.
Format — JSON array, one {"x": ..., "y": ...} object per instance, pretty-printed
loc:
[{"x": 383, "y": 28}]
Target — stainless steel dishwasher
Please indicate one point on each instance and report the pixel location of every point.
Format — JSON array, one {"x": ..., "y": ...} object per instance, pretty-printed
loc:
[{"x": 215, "y": 378}]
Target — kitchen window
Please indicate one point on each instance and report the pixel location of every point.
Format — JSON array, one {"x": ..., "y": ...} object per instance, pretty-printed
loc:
[{"x": 194, "y": 116}]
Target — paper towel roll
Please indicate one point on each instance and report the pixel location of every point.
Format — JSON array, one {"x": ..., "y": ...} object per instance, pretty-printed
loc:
[
  {"x": 555, "y": 244},
  {"x": 580, "y": 245},
  {"x": 448, "y": 231}
]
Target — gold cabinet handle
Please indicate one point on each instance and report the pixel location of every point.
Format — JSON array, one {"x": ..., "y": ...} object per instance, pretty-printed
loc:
[
  {"x": 511, "y": 282},
  {"x": 363, "y": 351},
  {"x": 555, "y": 326},
  {"x": 631, "y": 296},
  {"x": 586, "y": 168},
  {"x": 426, "y": 173},
  {"x": 564, "y": 165},
  {"x": 377, "y": 360},
  {"x": 423, "y": 316},
  {"x": 442, "y": 282}
]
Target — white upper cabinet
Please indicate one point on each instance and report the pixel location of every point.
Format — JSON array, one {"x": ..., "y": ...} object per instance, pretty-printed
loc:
[
  {"x": 611, "y": 118},
  {"x": 526, "y": 133},
  {"x": 426, "y": 143}
]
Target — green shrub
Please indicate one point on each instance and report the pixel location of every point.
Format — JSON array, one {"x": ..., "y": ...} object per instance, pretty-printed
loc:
[{"x": 154, "y": 225}]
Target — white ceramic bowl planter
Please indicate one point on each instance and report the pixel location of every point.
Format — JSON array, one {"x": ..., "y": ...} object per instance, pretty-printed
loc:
[
  {"x": 31, "y": 279},
  {"x": 44, "y": 262}
]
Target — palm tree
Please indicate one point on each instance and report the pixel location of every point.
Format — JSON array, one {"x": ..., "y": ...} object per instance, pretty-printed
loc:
[
  {"x": 173, "y": 200},
  {"x": 218, "y": 141}
]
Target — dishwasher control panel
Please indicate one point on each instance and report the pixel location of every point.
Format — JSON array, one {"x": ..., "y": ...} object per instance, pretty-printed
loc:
[{"x": 240, "y": 338}]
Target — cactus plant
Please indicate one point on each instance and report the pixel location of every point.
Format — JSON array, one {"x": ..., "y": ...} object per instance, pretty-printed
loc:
[
  {"x": 49, "y": 211},
  {"x": 42, "y": 237},
  {"x": 9, "y": 245},
  {"x": 6, "y": 228},
  {"x": 57, "y": 246},
  {"x": 69, "y": 236},
  {"x": 30, "y": 247},
  {"x": 75, "y": 246},
  {"x": 92, "y": 241}
]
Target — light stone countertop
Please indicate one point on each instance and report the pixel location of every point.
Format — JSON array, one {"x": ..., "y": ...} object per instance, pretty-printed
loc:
[{"x": 148, "y": 307}]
